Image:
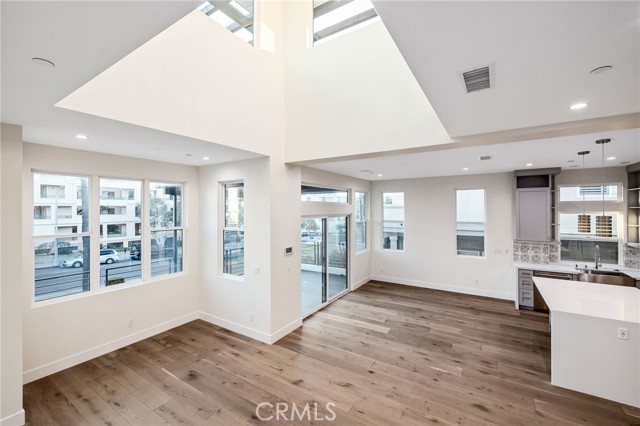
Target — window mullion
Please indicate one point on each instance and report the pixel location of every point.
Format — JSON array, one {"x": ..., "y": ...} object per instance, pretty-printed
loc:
[
  {"x": 94, "y": 232},
  {"x": 145, "y": 233}
]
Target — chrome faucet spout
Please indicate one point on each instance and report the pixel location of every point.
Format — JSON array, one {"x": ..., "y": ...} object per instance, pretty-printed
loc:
[{"x": 598, "y": 257}]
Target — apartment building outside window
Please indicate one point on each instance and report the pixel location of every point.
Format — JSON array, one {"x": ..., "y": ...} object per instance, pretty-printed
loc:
[
  {"x": 470, "y": 222},
  {"x": 361, "y": 220},
  {"x": 233, "y": 229},
  {"x": 393, "y": 221}
]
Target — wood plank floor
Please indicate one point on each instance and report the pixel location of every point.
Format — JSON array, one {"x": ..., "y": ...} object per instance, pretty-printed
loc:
[{"x": 384, "y": 355}]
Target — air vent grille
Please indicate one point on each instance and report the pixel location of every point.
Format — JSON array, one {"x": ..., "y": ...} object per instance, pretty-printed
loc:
[
  {"x": 485, "y": 157},
  {"x": 477, "y": 79}
]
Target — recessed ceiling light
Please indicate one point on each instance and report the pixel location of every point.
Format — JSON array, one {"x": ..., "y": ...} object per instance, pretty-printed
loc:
[
  {"x": 611, "y": 158},
  {"x": 465, "y": 169},
  {"x": 529, "y": 164},
  {"x": 44, "y": 62},
  {"x": 379, "y": 175},
  {"x": 601, "y": 69},
  {"x": 205, "y": 158},
  {"x": 578, "y": 105},
  {"x": 82, "y": 137}
]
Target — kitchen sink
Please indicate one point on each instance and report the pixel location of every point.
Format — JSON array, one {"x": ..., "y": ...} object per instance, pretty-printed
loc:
[{"x": 599, "y": 276}]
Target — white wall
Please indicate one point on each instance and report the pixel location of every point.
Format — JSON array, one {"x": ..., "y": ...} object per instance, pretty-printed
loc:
[
  {"x": 359, "y": 263},
  {"x": 197, "y": 79},
  {"x": 232, "y": 301},
  {"x": 62, "y": 333},
  {"x": 351, "y": 95},
  {"x": 11, "y": 352},
  {"x": 429, "y": 258}
]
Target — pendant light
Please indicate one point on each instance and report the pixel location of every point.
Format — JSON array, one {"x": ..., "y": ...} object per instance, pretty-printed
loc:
[
  {"x": 584, "y": 220},
  {"x": 603, "y": 223}
]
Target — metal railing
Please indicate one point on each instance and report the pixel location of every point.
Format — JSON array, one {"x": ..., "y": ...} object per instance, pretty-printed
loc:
[
  {"x": 61, "y": 285},
  {"x": 233, "y": 261}
]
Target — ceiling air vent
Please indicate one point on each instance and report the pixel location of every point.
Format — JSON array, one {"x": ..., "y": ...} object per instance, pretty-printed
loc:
[
  {"x": 485, "y": 157},
  {"x": 477, "y": 79}
]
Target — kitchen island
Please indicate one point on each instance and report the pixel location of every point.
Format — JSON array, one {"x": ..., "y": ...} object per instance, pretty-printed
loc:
[{"x": 589, "y": 351}]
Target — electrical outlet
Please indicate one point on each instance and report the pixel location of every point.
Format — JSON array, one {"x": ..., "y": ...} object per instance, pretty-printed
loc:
[
  {"x": 477, "y": 282},
  {"x": 497, "y": 250},
  {"x": 256, "y": 270},
  {"x": 623, "y": 333},
  {"x": 130, "y": 323},
  {"x": 251, "y": 317}
]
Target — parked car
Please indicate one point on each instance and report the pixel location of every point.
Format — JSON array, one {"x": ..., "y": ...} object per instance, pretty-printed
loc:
[{"x": 107, "y": 256}]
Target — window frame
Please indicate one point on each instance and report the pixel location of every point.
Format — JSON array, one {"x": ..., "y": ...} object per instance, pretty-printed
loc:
[
  {"x": 319, "y": 186},
  {"x": 402, "y": 222},
  {"x": 93, "y": 186},
  {"x": 455, "y": 232},
  {"x": 148, "y": 230},
  {"x": 364, "y": 221},
  {"x": 224, "y": 228},
  {"x": 90, "y": 234},
  {"x": 593, "y": 208},
  {"x": 342, "y": 27}
]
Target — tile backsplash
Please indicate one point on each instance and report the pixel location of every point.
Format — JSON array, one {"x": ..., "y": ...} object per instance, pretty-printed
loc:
[
  {"x": 536, "y": 252},
  {"x": 631, "y": 257},
  {"x": 544, "y": 253}
]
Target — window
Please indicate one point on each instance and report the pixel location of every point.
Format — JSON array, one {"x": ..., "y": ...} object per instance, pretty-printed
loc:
[
  {"x": 167, "y": 228},
  {"x": 470, "y": 222},
  {"x": 361, "y": 221},
  {"x": 51, "y": 191},
  {"x": 233, "y": 230},
  {"x": 62, "y": 243},
  {"x": 42, "y": 212},
  {"x": 121, "y": 263},
  {"x": 61, "y": 253},
  {"x": 325, "y": 195},
  {"x": 574, "y": 200},
  {"x": 334, "y": 17},
  {"x": 234, "y": 15},
  {"x": 393, "y": 220}
]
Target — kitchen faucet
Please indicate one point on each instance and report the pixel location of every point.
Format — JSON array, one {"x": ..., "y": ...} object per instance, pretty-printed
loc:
[{"x": 598, "y": 257}]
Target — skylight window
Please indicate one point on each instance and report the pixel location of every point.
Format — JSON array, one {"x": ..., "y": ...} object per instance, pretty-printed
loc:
[
  {"x": 234, "y": 15},
  {"x": 337, "y": 17}
]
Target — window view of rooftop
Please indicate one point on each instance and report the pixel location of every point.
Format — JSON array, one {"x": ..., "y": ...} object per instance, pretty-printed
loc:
[
  {"x": 335, "y": 17},
  {"x": 234, "y": 15}
]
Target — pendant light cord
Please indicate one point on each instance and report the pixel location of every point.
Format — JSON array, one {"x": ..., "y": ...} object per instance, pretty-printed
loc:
[
  {"x": 602, "y": 179},
  {"x": 584, "y": 208}
]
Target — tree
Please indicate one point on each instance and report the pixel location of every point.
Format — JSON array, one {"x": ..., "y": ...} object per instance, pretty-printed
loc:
[{"x": 161, "y": 215}]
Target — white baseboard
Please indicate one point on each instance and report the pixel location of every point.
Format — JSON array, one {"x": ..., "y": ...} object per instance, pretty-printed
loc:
[
  {"x": 16, "y": 419},
  {"x": 360, "y": 283},
  {"x": 54, "y": 367},
  {"x": 446, "y": 287},
  {"x": 235, "y": 327},
  {"x": 285, "y": 330},
  {"x": 251, "y": 332}
]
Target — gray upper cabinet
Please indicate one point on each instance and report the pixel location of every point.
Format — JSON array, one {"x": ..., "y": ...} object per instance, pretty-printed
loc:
[{"x": 533, "y": 214}]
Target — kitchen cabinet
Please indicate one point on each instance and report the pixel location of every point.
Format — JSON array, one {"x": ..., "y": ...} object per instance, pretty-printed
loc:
[
  {"x": 535, "y": 204},
  {"x": 533, "y": 219}
]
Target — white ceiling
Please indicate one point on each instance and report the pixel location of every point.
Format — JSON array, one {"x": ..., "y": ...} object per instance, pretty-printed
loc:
[
  {"x": 506, "y": 157},
  {"x": 542, "y": 53},
  {"x": 83, "y": 38}
]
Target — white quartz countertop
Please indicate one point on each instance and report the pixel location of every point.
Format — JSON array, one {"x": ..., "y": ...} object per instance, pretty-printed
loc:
[
  {"x": 595, "y": 300},
  {"x": 571, "y": 268}
]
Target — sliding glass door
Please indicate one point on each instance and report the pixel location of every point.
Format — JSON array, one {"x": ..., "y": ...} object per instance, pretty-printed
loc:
[{"x": 324, "y": 243}]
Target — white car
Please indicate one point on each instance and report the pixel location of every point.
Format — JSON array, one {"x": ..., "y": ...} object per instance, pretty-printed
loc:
[{"x": 106, "y": 256}]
